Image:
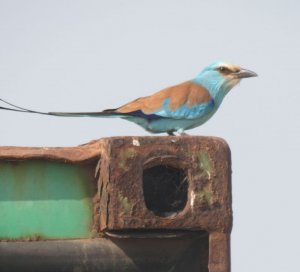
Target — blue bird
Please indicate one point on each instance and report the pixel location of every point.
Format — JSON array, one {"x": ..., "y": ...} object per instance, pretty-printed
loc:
[{"x": 174, "y": 109}]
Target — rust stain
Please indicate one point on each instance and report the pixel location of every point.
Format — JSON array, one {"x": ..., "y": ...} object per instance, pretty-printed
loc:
[{"x": 29, "y": 238}]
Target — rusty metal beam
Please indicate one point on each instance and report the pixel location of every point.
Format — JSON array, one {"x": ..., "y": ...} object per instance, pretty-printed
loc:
[
  {"x": 78, "y": 154},
  {"x": 162, "y": 184},
  {"x": 186, "y": 253}
]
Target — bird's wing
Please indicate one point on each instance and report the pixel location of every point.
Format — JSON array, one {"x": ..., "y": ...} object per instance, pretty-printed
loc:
[
  {"x": 187, "y": 100},
  {"x": 184, "y": 101}
]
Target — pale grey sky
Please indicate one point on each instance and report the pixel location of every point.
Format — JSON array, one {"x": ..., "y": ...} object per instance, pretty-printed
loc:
[{"x": 91, "y": 55}]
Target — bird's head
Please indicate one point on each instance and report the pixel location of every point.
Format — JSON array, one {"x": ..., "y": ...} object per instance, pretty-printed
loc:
[{"x": 220, "y": 77}]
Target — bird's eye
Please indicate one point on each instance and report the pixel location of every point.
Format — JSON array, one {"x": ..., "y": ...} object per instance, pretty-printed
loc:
[{"x": 224, "y": 70}]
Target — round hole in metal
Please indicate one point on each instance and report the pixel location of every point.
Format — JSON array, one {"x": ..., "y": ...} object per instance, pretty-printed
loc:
[{"x": 165, "y": 190}]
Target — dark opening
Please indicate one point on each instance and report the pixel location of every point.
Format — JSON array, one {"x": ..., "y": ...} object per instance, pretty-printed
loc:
[{"x": 165, "y": 189}]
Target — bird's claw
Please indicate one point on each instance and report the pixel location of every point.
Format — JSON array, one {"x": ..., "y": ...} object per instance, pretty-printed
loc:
[{"x": 179, "y": 132}]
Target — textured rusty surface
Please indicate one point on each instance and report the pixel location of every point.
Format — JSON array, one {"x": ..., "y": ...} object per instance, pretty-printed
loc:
[
  {"x": 219, "y": 252},
  {"x": 82, "y": 153},
  {"x": 119, "y": 204},
  {"x": 206, "y": 161}
]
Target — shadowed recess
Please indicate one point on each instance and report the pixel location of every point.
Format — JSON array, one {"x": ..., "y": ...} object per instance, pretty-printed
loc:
[
  {"x": 173, "y": 254},
  {"x": 165, "y": 189}
]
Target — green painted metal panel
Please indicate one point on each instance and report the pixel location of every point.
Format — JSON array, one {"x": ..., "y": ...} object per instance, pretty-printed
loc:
[{"x": 45, "y": 199}]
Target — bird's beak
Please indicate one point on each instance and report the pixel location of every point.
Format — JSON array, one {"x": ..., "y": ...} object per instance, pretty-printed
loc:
[{"x": 243, "y": 73}]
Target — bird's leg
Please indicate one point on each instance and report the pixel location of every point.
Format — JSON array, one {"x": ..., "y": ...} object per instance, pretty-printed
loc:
[
  {"x": 180, "y": 132},
  {"x": 171, "y": 133}
]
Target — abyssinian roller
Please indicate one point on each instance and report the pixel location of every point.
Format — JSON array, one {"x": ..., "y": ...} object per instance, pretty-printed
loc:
[{"x": 174, "y": 109}]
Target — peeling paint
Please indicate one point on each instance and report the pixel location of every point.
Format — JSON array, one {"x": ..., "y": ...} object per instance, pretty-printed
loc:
[{"x": 136, "y": 142}]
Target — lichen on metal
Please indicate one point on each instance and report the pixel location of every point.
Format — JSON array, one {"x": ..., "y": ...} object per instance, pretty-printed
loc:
[
  {"x": 125, "y": 156},
  {"x": 127, "y": 207},
  {"x": 205, "y": 163}
]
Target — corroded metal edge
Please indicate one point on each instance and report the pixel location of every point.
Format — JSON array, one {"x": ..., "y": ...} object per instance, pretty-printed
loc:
[
  {"x": 84, "y": 152},
  {"x": 81, "y": 153}
]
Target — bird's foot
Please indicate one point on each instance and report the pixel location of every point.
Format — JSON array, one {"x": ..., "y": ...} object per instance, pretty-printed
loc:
[
  {"x": 179, "y": 132},
  {"x": 182, "y": 134}
]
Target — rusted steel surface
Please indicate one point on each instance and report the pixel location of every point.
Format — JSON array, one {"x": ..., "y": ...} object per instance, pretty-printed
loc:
[
  {"x": 142, "y": 183},
  {"x": 206, "y": 162},
  {"x": 219, "y": 252},
  {"x": 82, "y": 153},
  {"x": 188, "y": 253}
]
